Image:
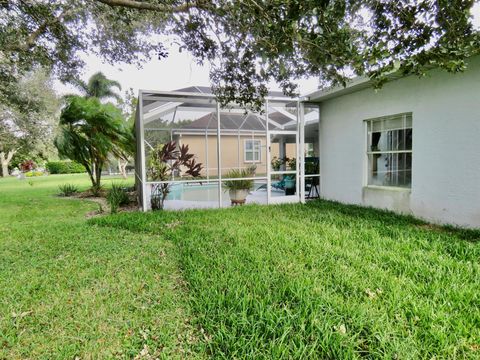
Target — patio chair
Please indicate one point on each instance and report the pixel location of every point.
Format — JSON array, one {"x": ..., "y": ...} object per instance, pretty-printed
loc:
[{"x": 279, "y": 185}]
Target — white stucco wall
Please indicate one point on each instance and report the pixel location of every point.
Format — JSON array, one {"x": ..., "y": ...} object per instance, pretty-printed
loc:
[{"x": 446, "y": 146}]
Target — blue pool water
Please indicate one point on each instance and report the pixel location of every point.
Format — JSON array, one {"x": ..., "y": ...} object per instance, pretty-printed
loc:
[{"x": 197, "y": 192}]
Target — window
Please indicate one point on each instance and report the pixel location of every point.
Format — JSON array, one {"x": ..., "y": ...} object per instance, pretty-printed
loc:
[
  {"x": 390, "y": 151},
  {"x": 252, "y": 150}
]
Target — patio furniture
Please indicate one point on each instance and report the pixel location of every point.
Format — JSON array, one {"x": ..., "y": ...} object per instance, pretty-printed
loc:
[{"x": 311, "y": 182}]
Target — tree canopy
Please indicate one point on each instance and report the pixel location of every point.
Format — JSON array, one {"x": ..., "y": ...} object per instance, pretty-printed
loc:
[
  {"x": 247, "y": 42},
  {"x": 99, "y": 86},
  {"x": 28, "y": 125}
]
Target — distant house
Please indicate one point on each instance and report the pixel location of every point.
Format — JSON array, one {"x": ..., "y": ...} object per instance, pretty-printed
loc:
[
  {"x": 243, "y": 141},
  {"x": 412, "y": 146}
]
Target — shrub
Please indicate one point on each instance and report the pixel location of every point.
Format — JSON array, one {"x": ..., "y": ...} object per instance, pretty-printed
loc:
[
  {"x": 64, "y": 167},
  {"x": 116, "y": 197},
  {"x": 67, "y": 189},
  {"x": 33, "y": 173},
  {"x": 28, "y": 165}
]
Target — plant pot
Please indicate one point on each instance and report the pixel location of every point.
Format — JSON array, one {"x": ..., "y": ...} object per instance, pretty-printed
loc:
[
  {"x": 289, "y": 183},
  {"x": 238, "y": 197}
]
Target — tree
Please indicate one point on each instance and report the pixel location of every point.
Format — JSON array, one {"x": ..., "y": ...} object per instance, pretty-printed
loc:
[
  {"x": 247, "y": 42},
  {"x": 89, "y": 132},
  {"x": 128, "y": 106},
  {"x": 99, "y": 86},
  {"x": 26, "y": 131}
]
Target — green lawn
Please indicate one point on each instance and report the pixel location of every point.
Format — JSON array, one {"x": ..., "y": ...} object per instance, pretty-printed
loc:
[
  {"x": 71, "y": 289},
  {"x": 320, "y": 280}
]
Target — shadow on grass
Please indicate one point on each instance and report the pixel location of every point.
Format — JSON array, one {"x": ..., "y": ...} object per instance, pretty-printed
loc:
[
  {"x": 388, "y": 222},
  {"x": 377, "y": 217}
]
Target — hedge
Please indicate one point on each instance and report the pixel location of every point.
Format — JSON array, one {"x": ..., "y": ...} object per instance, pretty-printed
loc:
[{"x": 64, "y": 167}]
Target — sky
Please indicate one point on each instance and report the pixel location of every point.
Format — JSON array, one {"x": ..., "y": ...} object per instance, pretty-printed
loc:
[{"x": 177, "y": 71}]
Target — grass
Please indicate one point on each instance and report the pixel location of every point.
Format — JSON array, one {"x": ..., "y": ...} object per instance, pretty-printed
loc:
[
  {"x": 69, "y": 289},
  {"x": 321, "y": 280},
  {"x": 324, "y": 281}
]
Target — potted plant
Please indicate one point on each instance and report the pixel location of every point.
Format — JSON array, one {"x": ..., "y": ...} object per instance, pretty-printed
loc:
[
  {"x": 276, "y": 163},
  {"x": 291, "y": 163},
  {"x": 238, "y": 189}
]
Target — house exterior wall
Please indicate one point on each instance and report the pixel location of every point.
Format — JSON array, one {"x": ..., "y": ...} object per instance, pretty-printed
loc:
[
  {"x": 233, "y": 155},
  {"x": 446, "y": 146}
]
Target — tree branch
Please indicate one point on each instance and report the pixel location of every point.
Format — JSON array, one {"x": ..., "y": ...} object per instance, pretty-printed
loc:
[
  {"x": 42, "y": 29},
  {"x": 133, "y": 4},
  {"x": 5, "y": 158},
  {"x": 10, "y": 155}
]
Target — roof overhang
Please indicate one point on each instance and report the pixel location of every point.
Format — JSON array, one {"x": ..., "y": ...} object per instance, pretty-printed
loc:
[{"x": 356, "y": 84}]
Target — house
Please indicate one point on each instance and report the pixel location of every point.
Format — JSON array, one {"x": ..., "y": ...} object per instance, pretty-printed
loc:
[
  {"x": 412, "y": 146},
  {"x": 243, "y": 140}
]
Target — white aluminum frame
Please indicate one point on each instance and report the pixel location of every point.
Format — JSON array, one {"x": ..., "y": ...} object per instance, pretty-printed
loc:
[{"x": 201, "y": 100}]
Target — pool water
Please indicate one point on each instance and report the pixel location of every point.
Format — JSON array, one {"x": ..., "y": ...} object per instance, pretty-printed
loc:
[{"x": 205, "y": 192}]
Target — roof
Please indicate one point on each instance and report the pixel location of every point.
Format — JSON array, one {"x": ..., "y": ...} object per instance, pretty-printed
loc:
[
  {"x": 360, "y": 83},
  {"x": 235, "y": 121},
  {"x": 356, "y": 84},
  {"x": 195, "y": 89}
]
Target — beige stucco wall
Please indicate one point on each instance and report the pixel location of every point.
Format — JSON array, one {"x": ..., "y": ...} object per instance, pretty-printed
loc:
[{"x": 232, "y": 155}]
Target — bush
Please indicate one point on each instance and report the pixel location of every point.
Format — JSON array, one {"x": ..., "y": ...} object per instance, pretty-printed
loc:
[
  {"x": 65, "y": 167},
  {"x": 116, "y": 197},
  {"x": 67, "y": 189},
  {"x": 28, "y": 165},
  {"x": 33, "y": 173}
]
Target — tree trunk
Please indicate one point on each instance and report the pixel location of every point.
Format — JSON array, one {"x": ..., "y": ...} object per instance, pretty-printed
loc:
[
  {"x": 4, "y": 169},
  {"x": 98, "y": 177},
  {"x": 91, "y": 172},
  {"x": 122, "y": 167},
  {"x": 5, "y": 160}
]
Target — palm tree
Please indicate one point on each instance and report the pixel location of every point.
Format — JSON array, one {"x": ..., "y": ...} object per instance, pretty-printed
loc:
[
  {"x": 98, "y": 86},
  {"x": 89, "y": 132}
]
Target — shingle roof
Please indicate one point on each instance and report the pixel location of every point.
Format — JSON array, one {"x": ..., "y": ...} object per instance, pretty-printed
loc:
[{"x": 234, "y": 121}]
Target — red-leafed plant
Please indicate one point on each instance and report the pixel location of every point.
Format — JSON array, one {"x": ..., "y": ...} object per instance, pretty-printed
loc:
[
  {"x": 28, "y": 165},
  {"x": 165, "y": 161}
]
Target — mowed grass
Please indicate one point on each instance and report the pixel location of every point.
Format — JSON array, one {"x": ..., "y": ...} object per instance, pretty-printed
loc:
[
  {"x": 71, "y": 290},
  {"x": 322, "y": 280}
]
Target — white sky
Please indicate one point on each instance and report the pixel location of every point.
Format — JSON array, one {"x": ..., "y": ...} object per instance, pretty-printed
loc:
[{"x": 177, "y": 71}]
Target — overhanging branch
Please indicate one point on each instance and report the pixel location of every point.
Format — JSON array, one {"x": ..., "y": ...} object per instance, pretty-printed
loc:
[{"x": 140, "y": 5}]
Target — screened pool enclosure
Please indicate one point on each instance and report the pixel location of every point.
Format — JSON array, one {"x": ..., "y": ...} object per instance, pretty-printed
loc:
[{"x": 275, "y": 151}]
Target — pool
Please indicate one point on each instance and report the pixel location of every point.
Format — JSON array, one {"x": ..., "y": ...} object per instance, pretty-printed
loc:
[{"x": 203, "y": 192}]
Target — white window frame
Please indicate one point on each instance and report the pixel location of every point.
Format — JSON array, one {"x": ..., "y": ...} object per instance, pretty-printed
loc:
[
  {"x": 370, "y": 153},
  {"x": 259, "y": 141}
]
